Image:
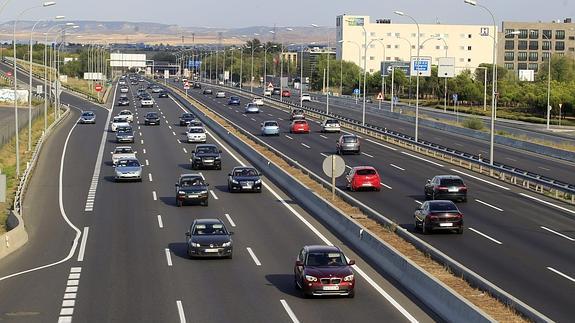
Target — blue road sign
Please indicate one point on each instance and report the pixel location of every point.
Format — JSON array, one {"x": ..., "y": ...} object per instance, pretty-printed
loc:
[
  {"x": 421, "y": 65},
  {"x": 454, "y": 96},
  {"x": 355, "y": 91}
]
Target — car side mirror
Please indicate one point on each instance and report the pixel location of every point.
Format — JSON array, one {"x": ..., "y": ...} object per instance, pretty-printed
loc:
[
  {"x": 188, "y": 234},
  {"x": 231, "y": 233},
  {"x": 299, "y": 263},
  {"x": 428, "y": 181},
  {"x": 176, "y": 185},
  {"x": 112, "y": 152},
  {"x": 351, "y": 262},
  {"x": 114, "y": 166}
]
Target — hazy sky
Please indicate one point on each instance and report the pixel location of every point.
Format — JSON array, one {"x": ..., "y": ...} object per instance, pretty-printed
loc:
[{"x": 244, "y": 13}]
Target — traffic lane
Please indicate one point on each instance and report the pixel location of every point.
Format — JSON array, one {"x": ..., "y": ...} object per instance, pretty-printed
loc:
[{"x": 267, "y": 224}]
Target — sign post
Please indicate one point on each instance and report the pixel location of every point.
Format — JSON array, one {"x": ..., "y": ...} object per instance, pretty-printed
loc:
[
  {"x": 186, "y": 87},
  {"x": 333, "y": 166}
]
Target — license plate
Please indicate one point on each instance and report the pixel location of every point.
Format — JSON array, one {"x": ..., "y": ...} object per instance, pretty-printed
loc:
[
  {"x": 331, "y": 287},
  {"x": 193, "y": 196},
  {"x": 247, "y": 186},
  {"x": 453, "y": 189},
  {"x": 446, "y": 224},
  {"x": 366, "y": 184},
  {"x": 211, "y": 250}
]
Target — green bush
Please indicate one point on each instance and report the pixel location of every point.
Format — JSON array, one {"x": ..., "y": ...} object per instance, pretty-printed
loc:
[{"x": 474, "y": 123}]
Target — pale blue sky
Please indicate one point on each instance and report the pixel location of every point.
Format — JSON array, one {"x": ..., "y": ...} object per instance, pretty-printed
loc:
[{"x": 245, "y": 13}]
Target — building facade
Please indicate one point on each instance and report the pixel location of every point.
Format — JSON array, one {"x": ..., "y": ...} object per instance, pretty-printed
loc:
[
  {"x": 469, "y": 45},
  {"x": 534, "y": 43}
]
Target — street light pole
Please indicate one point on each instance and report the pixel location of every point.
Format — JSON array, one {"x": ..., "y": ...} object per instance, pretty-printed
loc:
[{"x": 548, "y": 85}]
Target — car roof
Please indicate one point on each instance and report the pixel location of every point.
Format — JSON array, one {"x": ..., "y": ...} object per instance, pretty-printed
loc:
[
  {"x": 208, "y": 221},
  {"x": 448, "y": 177},
  {"x": 364, "y": 167},
  {"x": 206, "y": 145},
  {"x": 244, "y": 167},
  {"x": 266, "y": 121},
  {"x": 123, "y": 147},
  {"x": 322, "y": 248},
  {"x": 190, "y": 175}
]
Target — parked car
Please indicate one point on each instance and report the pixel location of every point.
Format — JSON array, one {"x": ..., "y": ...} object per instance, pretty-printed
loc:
[
  {"x": 244, "y": 178},
  {"x": 270, "y": 128},
  {"x": 220, "y": 94},
  {"x": 124, "y": 134},
  {"x": 330, "y": 125},
  {"x": 251, "y": 108},
  {"x": 299, "y": 126},
  {"x": 206, "y": 156},
  {"x": 363, "y": 177},
  {"x": 209, "y": 238},
  {"x": 305, "y": 97},
  {"x": 258, "y": 101},
  {"x": 128, "y": 169},
  {"x": 191, "y": 188},
  {"x": 122, "y": 152},
  {"x": 446, "y": 187},
  {"x": 348, "y": 144},
  {"x": 438, "y": 215},
  {"x": 324, "y": 271},
  {"x": 87, "y": 117},
  {"x": 286, "y": 93},
  {"x": 196, "y": 134},
  {"x": 186, "y": 118},
  {"x": 152, "y": 118},
  {"x": 234, "y": 100}
]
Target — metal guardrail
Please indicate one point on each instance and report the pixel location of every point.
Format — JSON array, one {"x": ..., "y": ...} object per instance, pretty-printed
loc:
[{"x": 528, "y": 180}]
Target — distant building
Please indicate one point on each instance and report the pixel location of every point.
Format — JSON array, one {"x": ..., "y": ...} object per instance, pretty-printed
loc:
[
  {"x": 534, "y": 44},
  {"x": 470, "y": 45}
]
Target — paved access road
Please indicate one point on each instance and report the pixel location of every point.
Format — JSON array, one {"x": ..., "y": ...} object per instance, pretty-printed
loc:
[
  {"x": 517, "y": 242},
  {"x": 129, "y": 264}
]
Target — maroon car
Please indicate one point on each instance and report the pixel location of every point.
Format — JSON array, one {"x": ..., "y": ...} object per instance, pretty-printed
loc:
[{"x": 324, "y": 270}]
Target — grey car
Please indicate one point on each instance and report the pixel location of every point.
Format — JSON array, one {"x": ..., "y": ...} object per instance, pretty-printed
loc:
[
  {"x": 128, "y": 170},
  {"x": 209, "y": 238},
  {"x": 270, "y": 128},
  {"x": 348, "y": 144},
  {"x": 88, "y": 117},
  {"x": 124, "y": 134}
]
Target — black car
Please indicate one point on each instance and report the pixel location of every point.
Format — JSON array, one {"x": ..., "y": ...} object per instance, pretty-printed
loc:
[
  {"x": 191, "y": 188},
  {"x": 206, "y": 156},
  {"x": 195, "y": 123},
  {"x": 163, "y": 94},
  {"x": 123, "y": 101},
  {"x": 197, "y": 85},
  {"x": 438, "y": 215},
  {"x": 152, "y": 118},
  {"x": 446, "y": 187},
  {"x": 276, "y": 91},
  {"x": 209, "y": 238},
  {"x": 244, "y": 179},
  {"x": 207, "y": 91},
  {"x": 234, "y": 100},
  {"x": 124, "y": 134},
  {"x": 186, "y": 118}
]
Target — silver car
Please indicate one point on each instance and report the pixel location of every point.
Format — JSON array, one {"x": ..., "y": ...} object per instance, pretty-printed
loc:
[
  {"x": 348, "y": 144},
  {"x": 330, "y": 125},
  {"x": 220, "y": 94},
  {"x": 88, "y": 117},
  {"x": 251, "y": 108},
  {"x": 128, "y": 170},
  {"x": 270, "y": 128}
]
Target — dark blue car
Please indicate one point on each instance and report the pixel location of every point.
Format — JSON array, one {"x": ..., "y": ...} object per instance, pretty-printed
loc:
[{"x": 234, "y": 100}]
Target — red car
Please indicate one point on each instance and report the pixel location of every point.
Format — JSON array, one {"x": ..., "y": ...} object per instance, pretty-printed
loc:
[
  {"x": 324, "y": 271},
  {"x": 299, "y": 126},
  {"x": 363, "y": 177},
  {"x": 286, "y": 94}
]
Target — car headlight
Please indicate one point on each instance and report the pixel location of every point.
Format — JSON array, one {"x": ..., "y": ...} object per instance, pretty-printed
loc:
[
  {"x": 204, "y": 192},
  {"x": 181, "y": 192},
  {"x": 258, "y": 181},
  {"x": 348, "y": 278},
  {"x": 227, "y": 244},
  {"x": 234, "y": 181},
  {"x": 194, "y": 244},
  {"x": 310, "y": 278},
  {"x": 217, "y": 158},
  {"x": 198, "y": 158}
]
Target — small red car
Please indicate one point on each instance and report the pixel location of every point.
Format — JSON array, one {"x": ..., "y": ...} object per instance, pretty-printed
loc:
[
  {"x": 299, "y": 126},
  {"x": 363, "y": 177},
  {"x": 286, "y": 93}
]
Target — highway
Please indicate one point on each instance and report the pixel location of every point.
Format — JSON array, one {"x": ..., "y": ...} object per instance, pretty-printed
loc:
[
  {"x": 129, "y": 264},
  {"x": 519, "y": 241}
]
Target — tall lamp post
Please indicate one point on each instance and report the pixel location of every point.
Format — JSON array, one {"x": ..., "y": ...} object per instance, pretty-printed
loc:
[
  {"x": 265, "y": 62},
  {"x": 400, "y": 13},
  {"x": 548, "y": 84}
]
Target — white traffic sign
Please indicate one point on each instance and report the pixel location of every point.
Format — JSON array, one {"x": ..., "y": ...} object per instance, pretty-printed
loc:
[
  {"x": 421, "y": 66},
  {"x": 186, "y": 85},
  {"x": 166, "y": 74},
  {"x": 333, "y": 166},
  {"x": 56, "y": 86},
  {"x": 446, "y": 67}
]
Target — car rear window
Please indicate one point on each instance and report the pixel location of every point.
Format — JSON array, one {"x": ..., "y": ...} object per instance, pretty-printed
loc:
[
  {"x": 349, "y": 139},
  {"x": 123, "y": 150},
  {"x": 446, "y": 206},
  {"x": 151, "y": 115},
  {"x": 191, "y": 181},
  {"x": 451, "y": 182},
  {"x": 270, "y": 124},
  {"x": 207, "y": 150},
  {"x": 300, "y": 122},
  {"x": 331, "y": 122},
  {"x": 365, "y": 172}
]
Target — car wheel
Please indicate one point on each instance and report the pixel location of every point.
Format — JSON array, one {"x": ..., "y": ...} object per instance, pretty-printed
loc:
[
  {"x": 230, "y": 188},
  {"x": 351, "y": 188},
  {"x": 433, "y": 195},
  {"x": 219, "y": 167},
  {"x": 259, "y": 190},
  {"x": 194, "y": 166},
  {"x": 189, "y": 253},
  {"x": 424, "y": 228},
  {"x": 206, "y": 203},
  {"x": 460, "y": 230},
  {"x": 378, "y": 189},
  {"x": 351, "y": 294}
]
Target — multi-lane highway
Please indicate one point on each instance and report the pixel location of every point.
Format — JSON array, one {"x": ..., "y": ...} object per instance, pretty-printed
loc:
[
  {"x": 514, "y": 238},
  {"x": 129, "y": 263}
]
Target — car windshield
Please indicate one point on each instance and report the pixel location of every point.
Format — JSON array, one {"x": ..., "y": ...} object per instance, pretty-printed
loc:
[
  {"x": 271, "y": 124},
  {"x": 325, "y": 259},
  {"x": 297, "y": 112},
  {"x": 192, "y": 181},
  {"x": 152, "y": 115},
  {"x": 119, "y": 119},
  {"x": 207, "y": 150},
  {"x": 365, "y": 172},
  {"x": 349, "y": 139},
  {"x": 443, "y": 206},
  {"x": 451, "y": 182},
  {"x": 124, "y": 129},
  {"x": 187, "y": 116},
  {"x": 128, "y": 163},
  {"x": 123, "y": 150},
  {"x": 300, "y": 122},
  {"x": 125, "y": 113},
  {"x": 88, "y": 114},
  {"x": 196, "y": 130},
  {"x": 209, "y": 229},
  {"x": 242, "y": 172}
]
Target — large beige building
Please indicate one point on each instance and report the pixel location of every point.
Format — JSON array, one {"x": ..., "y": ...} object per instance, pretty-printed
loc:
[{"x": 469, "y": 45}]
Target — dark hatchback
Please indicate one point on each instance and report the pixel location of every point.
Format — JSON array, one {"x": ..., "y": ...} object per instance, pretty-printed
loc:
[
  {"x": 124, "y": 134},
  {"x": 186, "y": 118},
  {"x": 152, "y": 118},
  {"x": 438, "y": 215},
  {"x": 234, "y": 100},
  {"x": 123, "y": 102},
  {"x": 191, "y": 188},
  {"x": 445, "y": 187},
  {"x": 163, "y": 94},
  {"x": 209, "y": 238},
  {"x": 206, "y": 156},
  {"x": 244, "y": 179},
  {"x": 324, "y": 271}
]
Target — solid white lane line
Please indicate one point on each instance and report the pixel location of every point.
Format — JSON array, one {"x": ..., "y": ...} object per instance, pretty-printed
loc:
[
  {"x": 185, "y": 150},
  {"x": 258, "y": 263},
  {"x": 150, "y": 176},
  {"x": 561, "y": 274},
  {"x": 181, "y": 312},
  {"x": 395, "y": 166},
  {"x": 230, "y": 220},
  {"x": 214, "y": 194},
  {"x": 368, "y": 155},
  {"x": 487, "y": 204},
  {"x": 485, "y": 236},
  {"x": 144, "y": 150},
  {"x": 416, "y": 201},
  {"x": 168, "y": 256},
  {"x": 386, "y": 186},
  {"x": 380, "y": 144},
  {"x": 160, "y": 223},
  {"x": 481, "y": 179},
  {"x": 324, "y": 137},
  {"x": 306, "y": 146},
  {"x": 421, "y": 158},
  {"x": 154, "y": 195},
  {"x": 547, "y": 203},
  {"x": 83, "y": 244},
  {"x": 147, "y": 163},
  {"x": 557, "y": 233},
  {"x": 288, "y": 137},
  {"x": 290, "y": 313}
]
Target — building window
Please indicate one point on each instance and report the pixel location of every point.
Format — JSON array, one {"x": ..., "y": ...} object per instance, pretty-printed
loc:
[
  {"x": 396, "y": 46},
  {"x": 559, "y": 34},
  {"x": 509, "y": 66},
  {"x": 533, "y": 56},
  {"x": 438, "y": 47},
  {"x": 509, "y": 44},
  {"x": 468, "y": 47},
  {"x": 371, "y": 58},
  {"x": 508, "y": 33},
  {"x": 547, "y": 34},
  {"x": 522, "y": 56},
  {"x": 522, "y": 66},
  {"x": 545, "y": 56},
  {"x": 388, "y": 58},
  {"x": 509, "y": 56},
  {"x": 572, "y": 49},
  {"x": 546, "y": 45},
  {"x": 371, "y": 70},
  {"x": 388, "y": 46},
  {"x": 533, "y": 34},
  {"x": 561, "y": 54},
  {"x": 413, "y": 35},
  {"x": 571, "y": 37},
  {"x": 533, "y": 45},
  {"x": 397, "y": 58},
  {"x": 468, "y": 35},
  {"x": 469, "y": 60},
  {"x": 533, "y": 66},
  {"x": 559, "y": 45},
  {"x": 523, "y": 33},
  {"x": 522, "y": 45},
  {"x": 412, "y": 46}
]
